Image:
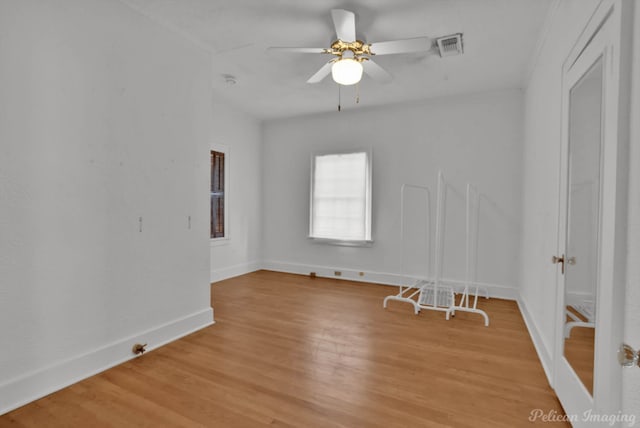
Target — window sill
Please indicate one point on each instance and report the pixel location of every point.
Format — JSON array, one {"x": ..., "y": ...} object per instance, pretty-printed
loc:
[
  {"x": 342, "y": 242},
  {"x": 217, "y": 242}
]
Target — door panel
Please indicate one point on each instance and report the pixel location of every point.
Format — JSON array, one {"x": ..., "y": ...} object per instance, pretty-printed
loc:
[{"x": 591, "y": 227}]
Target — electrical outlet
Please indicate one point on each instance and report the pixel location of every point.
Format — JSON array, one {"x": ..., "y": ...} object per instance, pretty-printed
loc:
[
  {"x": 337, "y": 273},
  {"x": 361, "y": 273}
]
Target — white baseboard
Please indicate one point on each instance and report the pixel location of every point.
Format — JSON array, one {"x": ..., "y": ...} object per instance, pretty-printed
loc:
[
  {"x": 544, "y": 355},
  {"x": 236, "y": 270},
  {"x": 32, "y": 386},
  {"x": 494, "y": 290}
]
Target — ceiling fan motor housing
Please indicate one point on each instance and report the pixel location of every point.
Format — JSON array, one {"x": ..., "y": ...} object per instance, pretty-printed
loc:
[{"x": 358, "y": 48}]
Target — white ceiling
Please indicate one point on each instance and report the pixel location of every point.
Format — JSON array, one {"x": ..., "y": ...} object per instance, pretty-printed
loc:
[{"x": 500, "y": 38}]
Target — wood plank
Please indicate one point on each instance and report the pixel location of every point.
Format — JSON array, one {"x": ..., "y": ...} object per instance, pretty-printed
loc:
[{"x": 292, "y": 351}]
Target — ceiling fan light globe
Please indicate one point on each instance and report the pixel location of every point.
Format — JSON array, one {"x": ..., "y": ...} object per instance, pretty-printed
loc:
[{"x": 346, "y": 71}]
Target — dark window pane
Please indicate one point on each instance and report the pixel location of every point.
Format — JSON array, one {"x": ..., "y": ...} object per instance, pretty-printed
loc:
[{"x": 217, "y": 194}]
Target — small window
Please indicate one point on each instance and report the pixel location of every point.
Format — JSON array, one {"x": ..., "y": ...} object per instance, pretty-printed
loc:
[
  {"x": 219, "y": 160},
  {"x": 341, "y": 197}
]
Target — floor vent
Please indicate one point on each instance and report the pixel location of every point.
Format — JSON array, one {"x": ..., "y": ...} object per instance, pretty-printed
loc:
[{"x": 450, "y": 45}]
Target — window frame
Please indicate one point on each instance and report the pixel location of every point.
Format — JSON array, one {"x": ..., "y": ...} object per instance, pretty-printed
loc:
[
  {"x": 369, "y": 199},
  {"x": 221, "y": 148}
]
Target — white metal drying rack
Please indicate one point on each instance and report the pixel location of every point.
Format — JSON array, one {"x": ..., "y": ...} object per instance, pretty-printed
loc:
[
  {"x": 471, "y": 268},
  {"x": 432, "y": 293},
  {"x": 418, "y": 283}
]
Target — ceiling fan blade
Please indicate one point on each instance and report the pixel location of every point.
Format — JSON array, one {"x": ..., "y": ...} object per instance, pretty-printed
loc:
[
  {"x": 296, "y": 50},
  {"x": 418, "y": 44},
  {"x": 376, "y": 72},
  {"x": 321, "y": 74},
  {"x": 345, "y": 23}
]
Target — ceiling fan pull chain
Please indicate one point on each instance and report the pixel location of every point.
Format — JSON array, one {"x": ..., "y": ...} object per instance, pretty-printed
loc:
[
  {"x": 339, "y": 98},
  {"x": 358, "y": 93}
]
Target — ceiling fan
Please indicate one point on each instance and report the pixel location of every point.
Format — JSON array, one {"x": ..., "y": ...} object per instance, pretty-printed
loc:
[{"x": 352, "y": 57}]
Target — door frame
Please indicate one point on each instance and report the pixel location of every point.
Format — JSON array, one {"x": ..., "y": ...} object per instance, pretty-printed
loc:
[{"x": 606, "y": 34}]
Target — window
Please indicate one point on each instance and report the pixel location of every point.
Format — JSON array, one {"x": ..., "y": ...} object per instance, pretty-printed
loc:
[
  {"x": 219, "y": 201},
  {"x": 341, "y": 197}
]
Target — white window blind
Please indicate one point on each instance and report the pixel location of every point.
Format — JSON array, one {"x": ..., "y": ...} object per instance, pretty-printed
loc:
[{"x": 341, "y": 197}]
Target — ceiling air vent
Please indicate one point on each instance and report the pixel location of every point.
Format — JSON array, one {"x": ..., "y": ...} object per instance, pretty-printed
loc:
[{"x": 450, "y": 45}]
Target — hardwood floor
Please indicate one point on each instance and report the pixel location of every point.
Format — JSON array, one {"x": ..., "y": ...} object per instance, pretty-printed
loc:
[{"x": 291, "y": 351}]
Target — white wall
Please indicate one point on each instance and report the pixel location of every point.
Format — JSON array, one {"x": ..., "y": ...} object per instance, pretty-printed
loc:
[
  {"x": 104, "y": 118},
  {"x": 242, "y": 134},
  {"x": 541, "y": 170},
  {"x": 474, "y": 138}
]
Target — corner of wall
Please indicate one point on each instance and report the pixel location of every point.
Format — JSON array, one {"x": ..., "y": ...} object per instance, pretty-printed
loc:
[
  {"x": 542, "y": 39},
  {"x": 235, "y": 270}
]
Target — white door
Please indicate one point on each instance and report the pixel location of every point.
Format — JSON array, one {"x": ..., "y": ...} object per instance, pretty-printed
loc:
[{"x": 591, "y": 244}]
